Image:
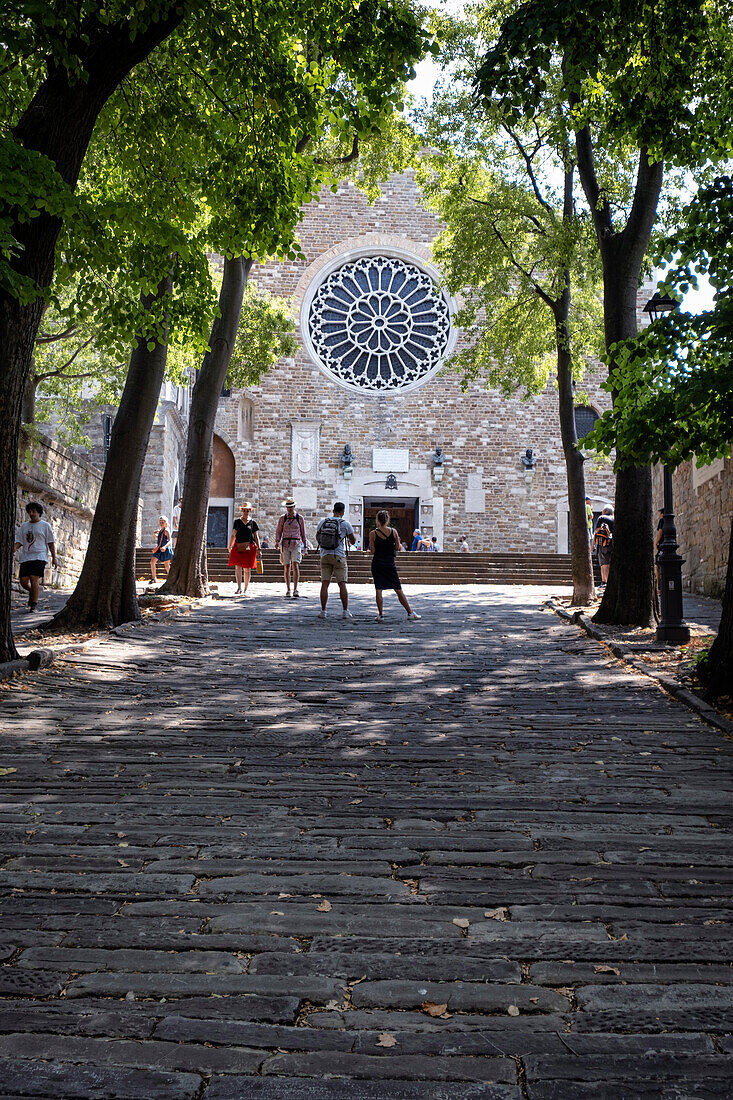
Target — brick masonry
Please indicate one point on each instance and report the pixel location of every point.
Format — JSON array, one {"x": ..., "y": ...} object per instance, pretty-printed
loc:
[
  {"x": 485, "y": 492},
  {"x": 67, "y": 487},
  {"x": 703, "y": 501}
]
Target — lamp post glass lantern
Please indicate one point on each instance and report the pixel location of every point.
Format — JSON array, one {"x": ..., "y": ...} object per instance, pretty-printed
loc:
[{"x": 672, "y": 627}]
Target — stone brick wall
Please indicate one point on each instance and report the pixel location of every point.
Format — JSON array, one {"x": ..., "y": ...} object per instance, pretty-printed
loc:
[
  {"x": 703, "y": 502},
  {"x": 67, "y": 487},
  {"x": 163, "y": 469},
  {"x": 485, "y": 493}
]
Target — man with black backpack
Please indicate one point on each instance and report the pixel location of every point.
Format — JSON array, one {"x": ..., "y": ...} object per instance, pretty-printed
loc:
[{"x": 332, "y": 535}]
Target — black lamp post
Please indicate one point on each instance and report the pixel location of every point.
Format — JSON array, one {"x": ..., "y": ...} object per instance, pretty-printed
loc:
[{"x": 672, "y": 627}]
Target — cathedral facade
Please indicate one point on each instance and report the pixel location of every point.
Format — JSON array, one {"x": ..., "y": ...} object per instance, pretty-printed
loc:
[{"x": 369, "y": 411}]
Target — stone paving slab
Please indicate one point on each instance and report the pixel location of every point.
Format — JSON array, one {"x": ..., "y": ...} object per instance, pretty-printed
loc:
[{"x": 470, "y": 858}]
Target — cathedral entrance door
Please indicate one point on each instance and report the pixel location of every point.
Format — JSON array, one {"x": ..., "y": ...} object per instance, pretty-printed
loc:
[
  {"x": 403, "y": 517},
  {"x": 217, "y": 526}
]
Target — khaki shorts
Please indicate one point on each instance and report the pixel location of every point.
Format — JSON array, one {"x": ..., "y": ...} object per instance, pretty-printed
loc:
[
  {"x": 290, "y": 554},
  {"x": 333, "y": 567}
]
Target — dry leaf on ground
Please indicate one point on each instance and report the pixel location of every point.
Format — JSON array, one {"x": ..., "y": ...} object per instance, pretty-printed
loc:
[
  {"x": 461, "y": 922},
  {"x": 386, "y": 1040},
  {"x": 502, "y": 913},
  {"x": 7, "y": 771},
  {"x": 430, "y": 1008},
  {"x": 513, "y": 1010},
  {"x": 325, "y": 906},
  {"x": 607, "y": 970}
]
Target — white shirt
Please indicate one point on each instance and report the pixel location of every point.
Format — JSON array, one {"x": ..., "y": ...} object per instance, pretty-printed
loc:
[
  {"x": 34, "y": 539},
  {"x": 345, "y": 529}
]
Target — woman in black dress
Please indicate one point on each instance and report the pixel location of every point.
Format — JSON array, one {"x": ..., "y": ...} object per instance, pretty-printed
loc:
[{"x": 384, "y": 543}]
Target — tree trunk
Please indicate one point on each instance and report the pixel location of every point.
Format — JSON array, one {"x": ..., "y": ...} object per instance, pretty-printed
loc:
[
  {"x": 717, "y": 668},
  {"x": 188, "y": 575},
  {"x": 580, "y": 559},
  {"x": 58, "y": 123},
  {"x": 28, "y": 410},
  {"x": 105, "y": 593},
  {"x": 631, "y": 595}
]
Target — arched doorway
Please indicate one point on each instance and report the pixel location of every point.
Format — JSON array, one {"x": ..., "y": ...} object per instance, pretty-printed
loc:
[{"x": 221, "y": 495}]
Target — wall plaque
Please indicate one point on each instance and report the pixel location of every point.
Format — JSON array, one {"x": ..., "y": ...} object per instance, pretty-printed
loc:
[
  {"x": 475, "y": 500},
  {"x": 390, "y": 460}
]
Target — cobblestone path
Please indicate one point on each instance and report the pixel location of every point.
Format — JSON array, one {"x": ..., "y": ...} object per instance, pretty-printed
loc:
[{"x": 251, "y": 854}]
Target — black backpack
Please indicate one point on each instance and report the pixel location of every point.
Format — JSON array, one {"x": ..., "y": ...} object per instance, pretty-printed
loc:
[{"x": 329, "y": 536}]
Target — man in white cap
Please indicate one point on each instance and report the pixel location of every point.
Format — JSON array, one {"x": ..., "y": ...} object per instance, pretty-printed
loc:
[{"x": 290, "y": 540}]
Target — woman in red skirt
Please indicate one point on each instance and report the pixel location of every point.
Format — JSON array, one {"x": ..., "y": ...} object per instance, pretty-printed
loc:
[{"x": 244, "y": 547}]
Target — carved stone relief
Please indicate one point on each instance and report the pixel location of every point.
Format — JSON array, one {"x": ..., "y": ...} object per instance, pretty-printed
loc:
[{"x": 305, "y": 449}]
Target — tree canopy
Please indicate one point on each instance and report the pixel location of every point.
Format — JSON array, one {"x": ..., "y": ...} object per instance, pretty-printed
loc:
[{"x": 673, "y": 384}]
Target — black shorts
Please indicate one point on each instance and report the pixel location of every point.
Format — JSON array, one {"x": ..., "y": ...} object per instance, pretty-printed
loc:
[{"x": 32, "y": 568}]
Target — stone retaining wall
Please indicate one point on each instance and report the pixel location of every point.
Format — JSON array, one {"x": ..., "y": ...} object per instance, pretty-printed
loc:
[
  {"x": 703, "y": 502},
  {"x": 68, "y": 488}
]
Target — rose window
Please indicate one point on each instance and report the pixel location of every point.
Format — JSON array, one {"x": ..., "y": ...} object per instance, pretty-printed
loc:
[{"x": 379, "y": 323}]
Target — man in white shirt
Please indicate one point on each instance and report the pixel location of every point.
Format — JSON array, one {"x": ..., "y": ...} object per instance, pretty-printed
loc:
[
  {"x": 332, "y": 535},
  {"x": 35, "y": 540}
]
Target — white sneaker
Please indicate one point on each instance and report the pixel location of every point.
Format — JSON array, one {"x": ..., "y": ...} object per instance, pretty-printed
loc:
[
  {"x": 413, "y": 616},
  {"x": 379, "y": 619},
  {"x": 321, "y": 614},
  {"x": 347, "y": 615}
]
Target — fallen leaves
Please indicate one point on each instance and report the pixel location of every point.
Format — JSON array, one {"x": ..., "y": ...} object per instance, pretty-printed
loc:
[
  {"x": 607, "y": 970},
  {"x": 512, "y": 1010},
  {"x": 386, "y": 1040},
  {"x": 460, "y": 922},
  {"x": 502, "y": 913},
  {"x": 7, "y": 771},
  {"x": 325, "y": 906},
  {"x": 431, "y": 1008}
]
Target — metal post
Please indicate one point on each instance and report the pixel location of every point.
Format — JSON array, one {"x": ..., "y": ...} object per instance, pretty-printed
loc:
[{"x": 672, "y": 627}]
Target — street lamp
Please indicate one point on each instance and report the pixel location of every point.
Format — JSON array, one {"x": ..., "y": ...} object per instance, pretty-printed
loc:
[
  {"x": 658, "y": 305},
  {"x": 672, "y": 627}
]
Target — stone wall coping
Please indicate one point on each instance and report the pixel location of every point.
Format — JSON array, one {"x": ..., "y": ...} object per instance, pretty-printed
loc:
[{"x": 53, "y": 445}]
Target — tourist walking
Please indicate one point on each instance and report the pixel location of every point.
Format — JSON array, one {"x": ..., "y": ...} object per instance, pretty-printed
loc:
[
  {"x": 244, "y": 547},
  {"x": 416, "y": 540},
  {"x": 290, "y": 540},
  {"x": 332, "y": 535},
  {"x": 176, "y": 518},
  {"x": 384, "y": 544},
  {"x": 463, "y": 546},
  {"x": 35, "y": 540},
  {"x": 603, "y": 541},
  {"x": 163, "y": 552}
]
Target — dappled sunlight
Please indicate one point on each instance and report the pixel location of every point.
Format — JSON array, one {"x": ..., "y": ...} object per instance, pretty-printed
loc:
[{"x": 245, "y": 806}]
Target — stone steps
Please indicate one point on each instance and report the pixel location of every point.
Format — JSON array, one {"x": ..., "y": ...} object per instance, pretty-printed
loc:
[{"x": 448, "y": 568}]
